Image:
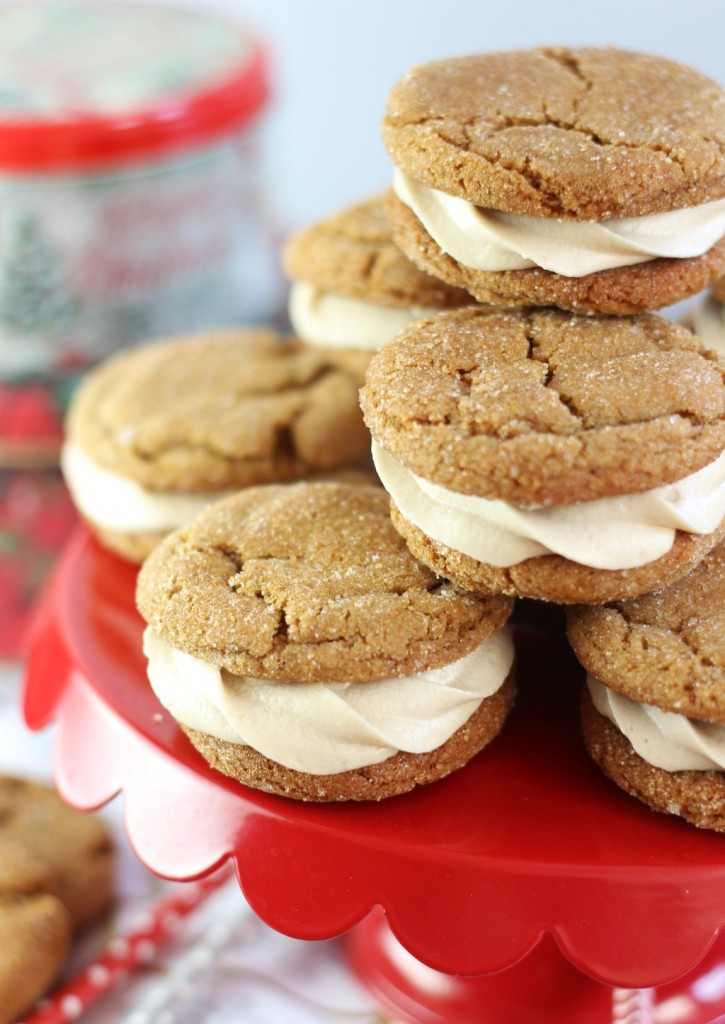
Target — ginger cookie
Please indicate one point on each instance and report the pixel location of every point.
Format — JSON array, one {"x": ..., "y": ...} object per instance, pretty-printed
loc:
[
  {"x": 588, "y": 179},
  {"x": 75, "y": 849},
  {"x": 305, "y": 652},
  {"x": 159, "y": 431},
  {"x": 539, "y": 454},
  {"x": 55, "y": 877},
  {"x": 351, "y": 285},
  {"x": 35, "y": 929},
  {"x": 654, "y": 708},
  {"x": 34, "y": 941}
]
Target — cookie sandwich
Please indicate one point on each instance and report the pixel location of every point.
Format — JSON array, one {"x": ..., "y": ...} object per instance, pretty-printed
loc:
[
  {"x": 588, "y": 179},
  {"x": 305, "y": 652},
  {"x": 708, "y": 321},
  {"x": 159, "y": 431},
  {"x": 653, "y": 710},
  {"x": 545, "y": 455},
  {"x": 351, "y": 285}
]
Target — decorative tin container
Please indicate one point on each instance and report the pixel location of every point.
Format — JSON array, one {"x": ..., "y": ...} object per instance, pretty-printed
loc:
[
  {"x": 130, "y": 178},
  {"x": 130, "y": 207}
]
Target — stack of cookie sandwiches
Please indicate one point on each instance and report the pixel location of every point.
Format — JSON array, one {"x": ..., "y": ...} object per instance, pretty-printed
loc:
[
  {"x": 563, "y": 443},
  {"x": 542, "y": 434},
  {"x": 292, "y": 634}
]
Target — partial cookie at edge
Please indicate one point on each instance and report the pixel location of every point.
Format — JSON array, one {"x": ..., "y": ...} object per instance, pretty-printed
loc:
[
  {"x": 697, "y": 797},
  {"x": 75, "y": 849},
  {"x": 34, "y": 940},
  {"x": 666, "y": 648}
]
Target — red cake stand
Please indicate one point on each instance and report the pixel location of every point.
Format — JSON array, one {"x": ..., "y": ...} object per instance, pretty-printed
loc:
[{"x": 527, "y": 862}]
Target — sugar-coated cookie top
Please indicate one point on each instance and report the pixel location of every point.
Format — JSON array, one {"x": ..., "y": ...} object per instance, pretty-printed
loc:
[
  {"x": 223, "y": 409},
  {"x": 666, "y": 648},
  {"x": 542, "y": 407},
  {"x": 305, "y": 583},
  {"x": 586, "y": 133},
  {"x": 352, "y": 253}
]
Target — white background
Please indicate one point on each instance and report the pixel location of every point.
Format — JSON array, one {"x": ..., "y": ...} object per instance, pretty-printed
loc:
[{"x": 335, "y": 60}]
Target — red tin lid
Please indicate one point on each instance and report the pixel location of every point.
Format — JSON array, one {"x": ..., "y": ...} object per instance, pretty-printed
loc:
[{"x": 88, "y": 86}]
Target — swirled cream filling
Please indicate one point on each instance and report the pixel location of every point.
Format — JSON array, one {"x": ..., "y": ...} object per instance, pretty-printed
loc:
[
  {"x": 708, "y": 324},
  {"x": 662, "y": 738},
  {"x": 114, "y": 502},
  {"x": 325, "y": 728},
  {"x": 334, "y": 321},
  {"x": 610, "y": 533},
  {"x": 492, "y": 240}
]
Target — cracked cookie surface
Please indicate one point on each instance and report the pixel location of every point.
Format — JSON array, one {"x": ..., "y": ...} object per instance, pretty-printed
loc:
[
  {"x": 666, "y": 648},
  {"x": 574, "y": 133},
  {"x": 308, "y": 583},
  {"x": 540, "y": 407},
  {"x": 222, "y": 409},
  {"x": 352, "y": 253}
]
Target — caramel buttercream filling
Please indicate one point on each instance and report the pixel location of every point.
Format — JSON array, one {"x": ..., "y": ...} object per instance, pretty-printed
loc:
[
  {"x": 115, "y": 502},
  {"x": 335, "y": 321},
  {"x": 493, "y": 240},
  {"x": 663, "y": 739},
  {"x": 621, "y": 532},
  {"x": 325, "y": 728}
]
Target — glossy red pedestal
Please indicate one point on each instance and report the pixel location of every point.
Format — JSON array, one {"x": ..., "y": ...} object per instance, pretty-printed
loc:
[{"x": 527, "y": 839}]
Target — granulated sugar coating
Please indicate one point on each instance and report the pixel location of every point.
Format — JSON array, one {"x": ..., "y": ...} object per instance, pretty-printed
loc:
[
  {"x": 308, "y": 582},
  {"x": 586, "y": 133},
  {"x": 201, "y": 415},
  {"x": 540, "y": 407},
  {"x": 352, "y": 253},
  {"x": 665, "y": 648},
  {"x": 545, "y": 409},
  {"x": 562, "y": 135}
]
